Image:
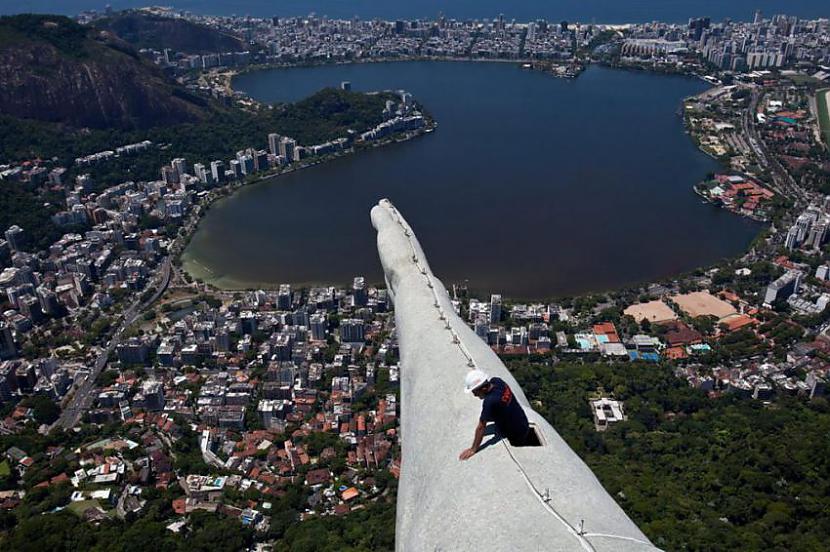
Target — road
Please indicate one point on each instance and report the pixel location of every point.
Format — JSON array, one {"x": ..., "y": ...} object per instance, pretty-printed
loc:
[
  {"x": 783, "y": 182},
  {"x": 84, "y": 395}
]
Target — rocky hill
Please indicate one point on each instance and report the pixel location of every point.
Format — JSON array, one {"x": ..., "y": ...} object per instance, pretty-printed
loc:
[
  {"x": 145, "y": 30},
  {"x": 53, "y": 69}
]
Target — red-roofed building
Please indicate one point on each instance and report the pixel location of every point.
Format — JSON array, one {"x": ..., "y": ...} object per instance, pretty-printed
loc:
[
  {"x": 729, "y": 296},
  {"x": 737, "y": 321},
  {"x": 675, "y": 353},
  {"x": 180, "y": 506},
  {"x": 60, "y": 478},
  {"x": 608, "y": 330},
  {"x": 317, "y": 477},
  {"x": 267, "y": 478},
  {"x": 680, "y": 334},
  {"x": 784, "y": 262}
]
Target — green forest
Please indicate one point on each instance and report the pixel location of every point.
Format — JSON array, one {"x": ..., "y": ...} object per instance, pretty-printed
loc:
[
  {"x": 364, "y": 530},
  {"x": 66, "y": 35},
  {"x": 31, "y": 211},
  {"x": 44, "y": 522},
  {"x": 324, "y": 116},
  {"x": 696, "y": 473}
]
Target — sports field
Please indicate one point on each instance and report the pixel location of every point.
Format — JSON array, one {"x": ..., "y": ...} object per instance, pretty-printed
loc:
[
  {"x": 703, "y": 303},
  {"x": 823, "y": 105},
  {"x": 653, "y": 311}
]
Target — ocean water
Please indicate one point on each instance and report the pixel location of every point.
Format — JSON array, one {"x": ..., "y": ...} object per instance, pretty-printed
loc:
[{"x": 600, "y": 11}]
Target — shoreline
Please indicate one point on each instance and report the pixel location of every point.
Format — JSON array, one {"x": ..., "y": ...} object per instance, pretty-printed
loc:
[
  {"x": 573, "y": 71},
  {"x": 225, "y": 284},
  {"x": 187, "y": 262},
  {"x": 229, "y": 74}
]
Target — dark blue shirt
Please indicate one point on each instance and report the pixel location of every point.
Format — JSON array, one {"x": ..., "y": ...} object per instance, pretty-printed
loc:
[{"x": 501, "y": 407}]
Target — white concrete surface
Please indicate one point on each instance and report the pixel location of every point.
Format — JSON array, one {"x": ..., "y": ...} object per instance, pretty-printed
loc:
[{"x": 503, "y": 498}]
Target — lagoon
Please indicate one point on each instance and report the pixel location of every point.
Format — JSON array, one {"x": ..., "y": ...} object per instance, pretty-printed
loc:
[{"x": 532, "y": 186}]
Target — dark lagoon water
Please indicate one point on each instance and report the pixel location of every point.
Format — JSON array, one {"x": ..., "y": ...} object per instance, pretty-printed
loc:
[
  {"x": 532, "y": 186},
  {"x": 600, "y": 11}
]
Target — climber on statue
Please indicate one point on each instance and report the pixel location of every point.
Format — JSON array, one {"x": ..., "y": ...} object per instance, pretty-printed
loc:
[{"x": 499, "y": 406}]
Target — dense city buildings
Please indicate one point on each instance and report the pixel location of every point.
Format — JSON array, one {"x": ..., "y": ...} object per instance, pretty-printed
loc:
[
  {"x": 156, "y": 392},
  {"x": 560, "y": 48},
  {"x": 103, "y": 328}
]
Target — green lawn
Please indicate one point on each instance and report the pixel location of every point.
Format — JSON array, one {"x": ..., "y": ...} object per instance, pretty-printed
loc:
[
  {"x": 78, "y": 508},
  {"x": 824, "y": 113},
  {"x": 5, "y": 469}
]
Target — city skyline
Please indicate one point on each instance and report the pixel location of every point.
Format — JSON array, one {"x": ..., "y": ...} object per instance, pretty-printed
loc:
[{"x": 144, "y": 404}]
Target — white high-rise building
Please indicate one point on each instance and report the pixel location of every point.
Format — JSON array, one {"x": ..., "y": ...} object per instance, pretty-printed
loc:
[
  {"x": 352, "y": 331},
  {"x": 202, "y": 173},
  {"x": 236, "y": 168},
  {"x": 495, "y": 309},
  {"x": 318, "y": 327},
  {"x": 287, "y": 146},
  {"x": 179, "y": 165},
  {"x": 274, "y": 143},
  {"x": 217, "y": 171},
  {"x": 791, "y": 241},
  {"x": 360, "y": 293}
]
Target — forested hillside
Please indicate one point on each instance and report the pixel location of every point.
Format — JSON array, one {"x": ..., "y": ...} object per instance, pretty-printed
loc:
[{"x": 696, "y": 473}]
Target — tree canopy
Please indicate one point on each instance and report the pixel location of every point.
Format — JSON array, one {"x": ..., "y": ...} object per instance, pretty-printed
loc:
[{"x": 696, "y": 473}]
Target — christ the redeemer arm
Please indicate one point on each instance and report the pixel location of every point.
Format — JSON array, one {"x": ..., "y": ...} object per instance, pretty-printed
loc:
[{"x": 538, "y": 498}]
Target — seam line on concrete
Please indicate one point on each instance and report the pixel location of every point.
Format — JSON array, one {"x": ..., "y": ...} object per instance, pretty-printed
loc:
[
  {"x": 586, "y": 544},
  {"x": 427, "y": 276},
  {"x": 440, "y": 304},
  {"x": 620, "y": 537}
]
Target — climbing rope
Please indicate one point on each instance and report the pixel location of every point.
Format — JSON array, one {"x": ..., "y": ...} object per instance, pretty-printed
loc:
[
  {"x": 544, "y": 499},
  {"x": 416, "y": 260}
]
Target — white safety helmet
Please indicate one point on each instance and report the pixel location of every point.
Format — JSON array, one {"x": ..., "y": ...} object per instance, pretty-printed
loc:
[{"x": 474, "y": 380}]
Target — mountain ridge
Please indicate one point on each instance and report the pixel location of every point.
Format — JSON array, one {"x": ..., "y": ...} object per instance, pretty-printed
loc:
[
  {"x": 147, "y": 30},
  {"x": 55, "y": 70}
]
